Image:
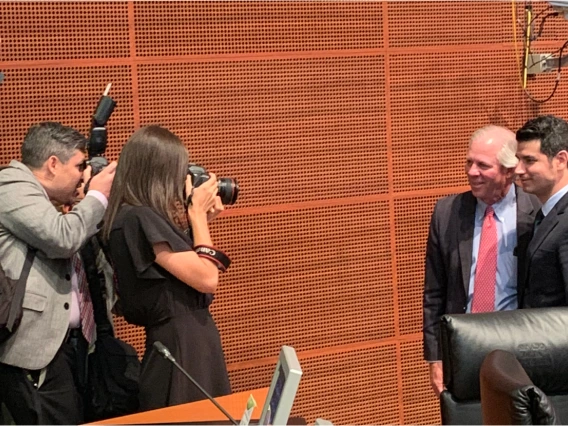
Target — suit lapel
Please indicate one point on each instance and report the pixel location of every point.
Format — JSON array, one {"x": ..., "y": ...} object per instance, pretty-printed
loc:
[
  {"x": 465, "y": 236},
  {"x": 525, "y": 217},
  {"x": 526, "y": 211},
  {"x": 547, "y": 225}
]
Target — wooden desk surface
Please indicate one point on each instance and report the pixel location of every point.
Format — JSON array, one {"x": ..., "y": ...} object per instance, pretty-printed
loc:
[{"x": 199, "y": 411}]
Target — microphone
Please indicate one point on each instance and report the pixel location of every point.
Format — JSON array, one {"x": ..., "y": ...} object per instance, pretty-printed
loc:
[{"x": 165, "y": 352}]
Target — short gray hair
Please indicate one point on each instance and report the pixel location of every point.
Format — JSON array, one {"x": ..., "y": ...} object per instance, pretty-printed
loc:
[
  {"x": 507, "y": 154},
  {"x": 49, "y": 138}
]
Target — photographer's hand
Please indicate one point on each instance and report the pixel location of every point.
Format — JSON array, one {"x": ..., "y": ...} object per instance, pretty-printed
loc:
[
  {"x": 202, "y": 201},
  {"x": 102, "y": 182},
  {"x": 87, "y": 175},
  {"x": 214, "y": 211},
  {"x": 203, "y": 198}
]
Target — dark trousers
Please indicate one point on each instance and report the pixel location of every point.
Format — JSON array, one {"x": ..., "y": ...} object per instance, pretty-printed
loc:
[{"x": 55, "y": 400}]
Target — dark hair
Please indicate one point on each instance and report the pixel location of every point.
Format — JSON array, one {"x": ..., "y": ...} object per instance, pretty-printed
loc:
[
  {"x": 551, "y": 131},
  {"x": 46, "y": 139},
  {"x": 151, "y": 171}
]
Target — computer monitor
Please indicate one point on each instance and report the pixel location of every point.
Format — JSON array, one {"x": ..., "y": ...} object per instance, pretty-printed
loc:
[{"x": 285, "y": 382}]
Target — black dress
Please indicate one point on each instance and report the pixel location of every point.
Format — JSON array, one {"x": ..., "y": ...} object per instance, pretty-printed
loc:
[{"x": 171, "y": 311}]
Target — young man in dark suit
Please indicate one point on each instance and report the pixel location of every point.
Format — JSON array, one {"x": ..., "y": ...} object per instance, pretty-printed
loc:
[
  {"x": 543, "y": 171},
  {"x": 476, "y": 241}
]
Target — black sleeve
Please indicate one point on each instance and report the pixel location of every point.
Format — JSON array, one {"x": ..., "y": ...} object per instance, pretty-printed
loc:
[
  {"x": 435, "y": 284},
  {"x": 142, "y": 229}
]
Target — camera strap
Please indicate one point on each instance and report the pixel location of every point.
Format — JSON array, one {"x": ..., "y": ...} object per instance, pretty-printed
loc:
[{"x": 220, "y": 259}]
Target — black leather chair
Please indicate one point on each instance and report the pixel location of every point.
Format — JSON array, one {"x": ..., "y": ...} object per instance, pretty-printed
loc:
[
  {"x": 537, "y": 337},
  {"x": 508, "y": 396}
]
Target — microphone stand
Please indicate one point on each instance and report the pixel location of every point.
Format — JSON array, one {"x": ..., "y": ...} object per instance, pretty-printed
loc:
[{"x": 161, "y": 348}]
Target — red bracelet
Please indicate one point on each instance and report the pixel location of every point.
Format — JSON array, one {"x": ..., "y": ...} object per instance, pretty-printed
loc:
[{"x": 220, "y": 259}]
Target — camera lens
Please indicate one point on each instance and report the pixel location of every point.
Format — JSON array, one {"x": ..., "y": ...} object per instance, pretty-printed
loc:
[{"x": 228, "y": 190}]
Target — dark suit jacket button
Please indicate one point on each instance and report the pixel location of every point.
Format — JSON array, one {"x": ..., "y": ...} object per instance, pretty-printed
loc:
[
  {"x": 66, "y": 306},
  {"x": 67, "y": 277}
]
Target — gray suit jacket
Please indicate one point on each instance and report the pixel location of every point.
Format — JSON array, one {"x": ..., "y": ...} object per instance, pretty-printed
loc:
[
  {"x": 448, "y": 259},
  {"x": 28, "y": 218}
]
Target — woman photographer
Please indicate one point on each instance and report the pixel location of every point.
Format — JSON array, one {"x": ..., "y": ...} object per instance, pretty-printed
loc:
[{"x": 164, "y": 285}]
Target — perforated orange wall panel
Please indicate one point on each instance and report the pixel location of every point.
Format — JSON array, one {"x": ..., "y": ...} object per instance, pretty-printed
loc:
[
  {"x": 300, "y": 266},
  {"x": 250, "y": 27},
  {"x": 412, "y": 217},
  {"x": 294, "y": 130},
  {"x": 344, "y": 123}
]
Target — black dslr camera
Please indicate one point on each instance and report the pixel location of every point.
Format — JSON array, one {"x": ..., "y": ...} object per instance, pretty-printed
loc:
[
  {"x": 227, "y": 188},
  {"x": 96, "y": 146},
  {"x": 98, "y": 138}
]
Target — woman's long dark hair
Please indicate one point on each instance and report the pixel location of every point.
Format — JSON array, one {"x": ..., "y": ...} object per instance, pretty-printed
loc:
[{"x": 151, "y": 171}]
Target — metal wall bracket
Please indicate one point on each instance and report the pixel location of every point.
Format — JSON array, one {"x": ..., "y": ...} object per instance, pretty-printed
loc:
[{"x": 539, "y": 63}]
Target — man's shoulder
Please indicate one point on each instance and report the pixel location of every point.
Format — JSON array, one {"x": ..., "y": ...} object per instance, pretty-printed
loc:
[
  {"x": 527, "y": 202},
  {"x": 17, "y": 182},
  {"x": 455, "y": 200},
  {"x": 15, "y": 172}
]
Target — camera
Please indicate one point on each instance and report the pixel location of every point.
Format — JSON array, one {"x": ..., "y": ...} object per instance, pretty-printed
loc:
[
  {"x": 96, "y": 145},
  {"x": 98, "y": 137},
  {"x": 96, "y": 149},
  {"x": 227, "y": 188}
]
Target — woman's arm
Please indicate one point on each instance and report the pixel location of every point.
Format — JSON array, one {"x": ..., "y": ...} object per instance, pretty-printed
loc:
[{"x": 187, "y": 266}]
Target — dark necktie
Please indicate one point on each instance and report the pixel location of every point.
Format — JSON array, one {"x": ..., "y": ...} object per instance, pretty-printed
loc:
[{"x": 537, "y": 220}]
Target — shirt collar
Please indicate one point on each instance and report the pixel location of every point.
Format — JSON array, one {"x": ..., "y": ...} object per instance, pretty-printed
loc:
[
  {"x": 551, "y": 202},
  {"x": 500, "y": 206}
]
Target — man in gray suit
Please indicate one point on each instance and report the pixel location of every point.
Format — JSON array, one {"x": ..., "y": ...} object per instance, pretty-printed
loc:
[
  {"x": 41, "y": 364},
  {"x": 458, "y": 276}
]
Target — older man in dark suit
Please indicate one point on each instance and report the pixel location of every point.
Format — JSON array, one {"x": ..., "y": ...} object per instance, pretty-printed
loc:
[
  {"x": 477, "y": 240},
  {"x": 543, "y": 171}
]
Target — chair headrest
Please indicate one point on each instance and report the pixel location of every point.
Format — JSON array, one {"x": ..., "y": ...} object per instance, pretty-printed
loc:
[{"x": 537, "y": 337}]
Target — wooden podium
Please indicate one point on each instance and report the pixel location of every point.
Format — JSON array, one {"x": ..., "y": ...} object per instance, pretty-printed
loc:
[{"x": 196, "y": 412}]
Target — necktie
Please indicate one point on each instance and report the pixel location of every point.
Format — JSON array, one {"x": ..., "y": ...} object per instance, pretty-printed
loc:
[
  {"x": 85, "y": 302},
  {"x": 537, "y": 220},
  {"x": 486, "y": 270}
]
